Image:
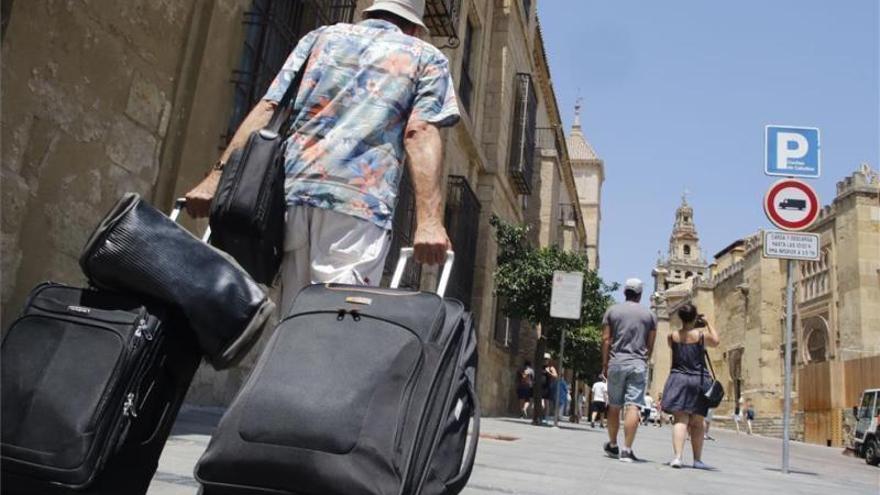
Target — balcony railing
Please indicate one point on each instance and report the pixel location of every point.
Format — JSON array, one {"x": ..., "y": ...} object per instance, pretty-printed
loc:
[
  {"x": 462, "y": 219},
  {"x": 441, "y": 19},
  {"x": 522, "y": 148},
  {"x": 568, "y": 215}
]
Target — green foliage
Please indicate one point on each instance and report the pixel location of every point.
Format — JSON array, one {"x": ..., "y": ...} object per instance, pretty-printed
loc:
[{"x": 524, "y": 282}]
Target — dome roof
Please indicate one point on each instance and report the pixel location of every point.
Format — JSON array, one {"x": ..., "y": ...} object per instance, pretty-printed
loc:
[{"x": 578, "y": 146}]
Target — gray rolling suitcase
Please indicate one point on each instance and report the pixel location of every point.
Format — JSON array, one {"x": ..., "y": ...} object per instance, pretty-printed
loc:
[{"x": 360, "y": 390}]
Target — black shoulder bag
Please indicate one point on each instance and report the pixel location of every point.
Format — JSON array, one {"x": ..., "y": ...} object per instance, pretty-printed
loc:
[
  {"x": 247, "y": 215},
  {"x": 714, "y": 393}
]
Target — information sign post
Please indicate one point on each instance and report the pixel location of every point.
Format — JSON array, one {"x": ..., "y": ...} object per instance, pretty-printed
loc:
[
  {"x": 565, "y": 302},
  {"x": 791, "y": 205}
]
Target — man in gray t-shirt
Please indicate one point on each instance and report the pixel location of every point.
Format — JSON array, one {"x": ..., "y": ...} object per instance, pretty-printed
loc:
[{"x": 628, "y": 331}]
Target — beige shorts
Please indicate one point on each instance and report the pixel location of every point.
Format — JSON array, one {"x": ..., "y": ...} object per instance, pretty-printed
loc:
[{"x": 322, "y": 246}]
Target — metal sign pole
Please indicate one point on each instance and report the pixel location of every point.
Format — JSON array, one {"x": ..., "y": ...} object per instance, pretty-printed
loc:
[
  {"x": 786, "y": 414},
  {"x": 561, "y": 376}
]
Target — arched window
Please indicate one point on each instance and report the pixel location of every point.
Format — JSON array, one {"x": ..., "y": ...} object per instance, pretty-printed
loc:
[
  {"x": 687, "y": 250},
  {"x": 688, "y": 274},
  {"x": 816, "y": 343}
]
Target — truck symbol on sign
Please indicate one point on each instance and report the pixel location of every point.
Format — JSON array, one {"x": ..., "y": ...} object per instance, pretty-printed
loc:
[{"x": 796, "y": 204}]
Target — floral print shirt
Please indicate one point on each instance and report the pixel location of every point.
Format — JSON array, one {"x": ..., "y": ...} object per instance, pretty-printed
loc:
[{"x": 363, "y": 83}]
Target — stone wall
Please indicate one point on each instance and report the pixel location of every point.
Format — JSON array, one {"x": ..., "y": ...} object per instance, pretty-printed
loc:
[{"x": 89, "y": 97}]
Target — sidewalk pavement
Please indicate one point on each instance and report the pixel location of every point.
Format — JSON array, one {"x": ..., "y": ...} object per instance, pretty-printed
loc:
[{"x": 515, "y": 457}]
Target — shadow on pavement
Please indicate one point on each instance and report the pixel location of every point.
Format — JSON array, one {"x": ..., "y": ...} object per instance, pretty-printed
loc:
[
  {"x": 792, "y": 471},
  {"x": 562, "y": 426},
  {"x": 198, "y": 421}
]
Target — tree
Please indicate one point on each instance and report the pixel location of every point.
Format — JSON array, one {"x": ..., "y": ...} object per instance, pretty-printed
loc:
[{"x": 524, "y": 283}]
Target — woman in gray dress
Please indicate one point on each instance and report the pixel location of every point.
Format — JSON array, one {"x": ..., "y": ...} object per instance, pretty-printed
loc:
[{"x": 683, "y": 393}]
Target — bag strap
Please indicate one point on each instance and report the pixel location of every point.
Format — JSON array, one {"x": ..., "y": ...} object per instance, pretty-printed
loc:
[
  {"x": 706, "y": 357},
  {"x": 281, "y": 114}
]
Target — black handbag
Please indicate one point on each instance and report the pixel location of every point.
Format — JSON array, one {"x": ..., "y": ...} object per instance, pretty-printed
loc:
[
  {"x": 247, "y": 214},
  {"x": 714, "y": 393},
  {"x": 137, "y": 249}
]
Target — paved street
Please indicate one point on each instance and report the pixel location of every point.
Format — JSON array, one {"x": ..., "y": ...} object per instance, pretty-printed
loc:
[{"x": 517, "y": 458}]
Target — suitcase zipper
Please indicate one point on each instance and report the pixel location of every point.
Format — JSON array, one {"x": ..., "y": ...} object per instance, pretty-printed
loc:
[{"x": 133, "y": 394}]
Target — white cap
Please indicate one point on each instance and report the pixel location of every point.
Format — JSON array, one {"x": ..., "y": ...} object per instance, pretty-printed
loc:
[
  {"x": 634, "y": 285},
  {"x": 546, "y": 355},
  {"x": 411, "y": 10}
]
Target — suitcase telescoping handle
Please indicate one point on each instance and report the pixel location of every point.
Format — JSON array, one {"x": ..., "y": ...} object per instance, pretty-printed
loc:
[
  {"x": 179, "y": 203},
  {"x": 406, "y": 253}
]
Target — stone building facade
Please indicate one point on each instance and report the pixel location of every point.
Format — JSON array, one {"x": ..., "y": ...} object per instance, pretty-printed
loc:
[
  {"x": 837, "y": 307},
  {"x": 143, "y": 96}
]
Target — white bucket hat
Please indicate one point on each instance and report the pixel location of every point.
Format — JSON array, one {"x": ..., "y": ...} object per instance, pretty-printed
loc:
[{"x": 411, "y": 10}]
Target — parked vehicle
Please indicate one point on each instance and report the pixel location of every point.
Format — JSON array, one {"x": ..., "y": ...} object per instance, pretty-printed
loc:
[
  {"x": 796, "y": 204},
  {"x": 866, "y": 440}
]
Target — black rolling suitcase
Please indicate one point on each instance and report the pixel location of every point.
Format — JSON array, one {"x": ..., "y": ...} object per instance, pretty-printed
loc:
[
  {"x": 360, "y": 390},
  {"x": 92, "y": 381}
]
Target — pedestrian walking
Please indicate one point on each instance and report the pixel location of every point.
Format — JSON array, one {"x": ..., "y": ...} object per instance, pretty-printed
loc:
[
  {"x": 708, "y": 422},
  {"x": 582, "y": 403},
  {"x": 373, "y": 97},
  {"x": 598, "y": 402},
  {"x": 658, "y": 421},
  {"x": 750, "y": 414},
  {"x": 563, "y": 395},
  {"x": 649, "y": 407},
  {"x": 628, "y": 331},
  {"x": 548, "y": 383},
  {"x": 525, "y": 383},
  {"x": 688, "y": 379},
  {"x": 738, "y": 413}
]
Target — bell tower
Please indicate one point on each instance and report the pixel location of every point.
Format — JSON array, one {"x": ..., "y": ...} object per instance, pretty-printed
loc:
[{"x": 684, "y": 259}]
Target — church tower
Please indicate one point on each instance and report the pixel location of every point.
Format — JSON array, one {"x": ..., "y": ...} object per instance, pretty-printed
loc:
[
  {"x": 589, "y": 174},
  {"x": 684, "y": 259}
]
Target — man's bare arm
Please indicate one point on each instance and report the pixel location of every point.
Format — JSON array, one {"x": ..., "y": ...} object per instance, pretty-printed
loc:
[
  {"x": 606, "y": 348},
  {"x": 652, "y": 335},
  {"x": 198, "y": 200},
  {"x": 424, "y": 149}
]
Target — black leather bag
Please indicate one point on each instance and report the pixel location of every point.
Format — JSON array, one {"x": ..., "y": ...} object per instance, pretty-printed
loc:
[
  {"x": 91, "y": 384},
  {"x": 713, "y": 391},
  {"x": 247, "y": 215},
  {"x": 400, "y": 426},
  {"x": 138, "y": 249}
]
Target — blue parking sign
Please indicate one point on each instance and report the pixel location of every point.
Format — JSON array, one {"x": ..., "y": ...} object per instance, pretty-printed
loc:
[{"x": 791, "y": 151}]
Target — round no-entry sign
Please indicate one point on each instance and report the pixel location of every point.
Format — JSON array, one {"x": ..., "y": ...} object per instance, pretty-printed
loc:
[{"x": 791, "y": 204}]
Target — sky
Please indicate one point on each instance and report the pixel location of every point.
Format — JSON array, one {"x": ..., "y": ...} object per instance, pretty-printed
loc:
[{"x": 676, "y": 95}]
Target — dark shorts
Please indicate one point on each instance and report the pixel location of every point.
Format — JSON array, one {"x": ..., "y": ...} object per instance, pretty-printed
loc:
[
  {"x": 598, "y": 406},
  {"x": 750, "y": 415},
  {"x": 524, "y": 393}
]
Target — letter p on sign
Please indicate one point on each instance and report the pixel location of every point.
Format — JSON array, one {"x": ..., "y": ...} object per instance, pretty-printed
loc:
[
  {"x": 790, "y": 147},
  {"x": 792, "y": 151}
]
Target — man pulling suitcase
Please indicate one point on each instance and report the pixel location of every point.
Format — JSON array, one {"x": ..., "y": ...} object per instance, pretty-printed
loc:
[{"x": 372, "y": 96}]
